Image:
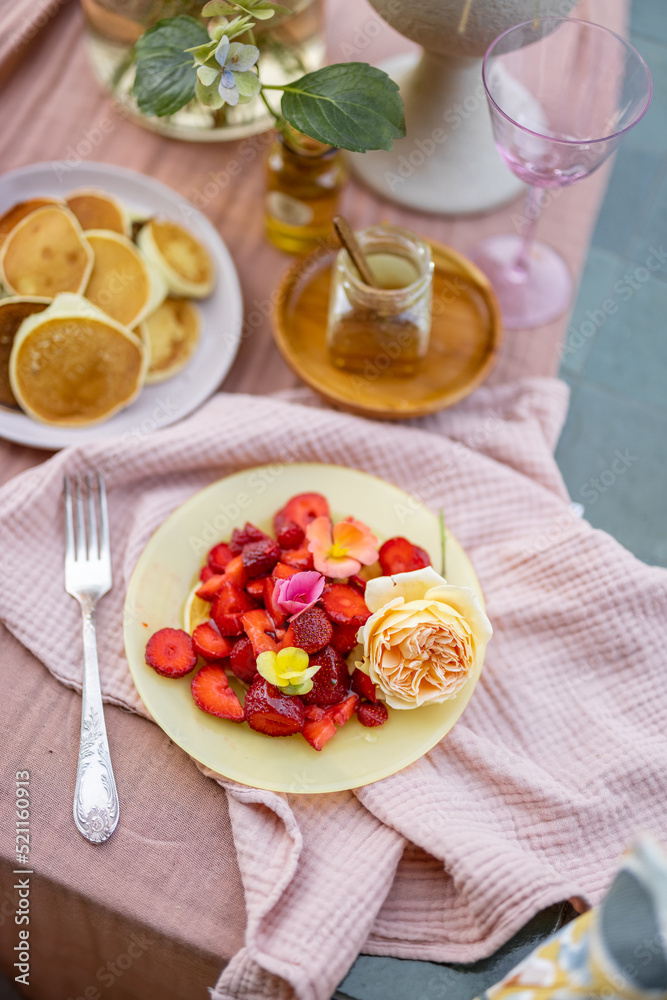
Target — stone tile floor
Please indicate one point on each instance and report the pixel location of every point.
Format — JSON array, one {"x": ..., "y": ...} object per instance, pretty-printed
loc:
[{"x": 613, "y": 450}]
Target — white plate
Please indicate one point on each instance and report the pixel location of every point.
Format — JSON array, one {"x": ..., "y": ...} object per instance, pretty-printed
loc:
[{"x": 221, "y": 314}]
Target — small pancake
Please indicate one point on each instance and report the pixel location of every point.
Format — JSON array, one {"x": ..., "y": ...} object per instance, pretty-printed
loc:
[
  {"x": 121, "y": 283},
  {"x": 46, "y": 254},
  {"x": 98, "y": 210},
  {"x": 17, "y": 212},
  {"x": 72, "y": 365},
  {"x": 184, "y": 261},
  {"x": 12, "y": 313},
  {"x": 172, "y": 333}
]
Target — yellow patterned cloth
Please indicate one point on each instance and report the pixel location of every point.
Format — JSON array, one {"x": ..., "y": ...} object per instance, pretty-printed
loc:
[{"x": 616, "y": 950}]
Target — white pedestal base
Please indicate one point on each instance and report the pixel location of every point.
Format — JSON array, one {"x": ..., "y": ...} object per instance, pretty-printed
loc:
[{"x": 447, "y": 163}]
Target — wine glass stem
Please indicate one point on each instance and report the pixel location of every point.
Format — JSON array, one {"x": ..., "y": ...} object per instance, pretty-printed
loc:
[{"x": 531, "y": 214}]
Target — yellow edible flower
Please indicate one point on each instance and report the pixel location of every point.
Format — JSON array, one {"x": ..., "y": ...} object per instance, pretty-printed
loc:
[{"x": 288, "y": 669}]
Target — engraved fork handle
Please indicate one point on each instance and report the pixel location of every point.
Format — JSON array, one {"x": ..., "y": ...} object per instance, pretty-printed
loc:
[{"x": 96, "y": 808}]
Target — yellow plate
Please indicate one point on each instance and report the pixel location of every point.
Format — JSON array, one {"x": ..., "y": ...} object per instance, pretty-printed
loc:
[
  {"x": 163, "y": 578},
  {"x": 466, "y": 332}
]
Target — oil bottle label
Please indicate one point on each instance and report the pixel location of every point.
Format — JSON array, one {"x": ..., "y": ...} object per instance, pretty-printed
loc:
[{"x": 288, "y": 209}]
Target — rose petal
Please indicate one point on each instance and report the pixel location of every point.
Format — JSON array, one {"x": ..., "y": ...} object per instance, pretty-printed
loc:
[{"x": 411, "y": 586}]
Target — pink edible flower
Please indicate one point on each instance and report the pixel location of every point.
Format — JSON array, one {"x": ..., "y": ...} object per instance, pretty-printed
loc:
[
  {"x": 340, "y": 551},
  {"x": 297, "y": 593}
]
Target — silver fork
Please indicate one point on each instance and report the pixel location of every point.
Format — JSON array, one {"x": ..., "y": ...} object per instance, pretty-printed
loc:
[{"x": 87, "y": 578}]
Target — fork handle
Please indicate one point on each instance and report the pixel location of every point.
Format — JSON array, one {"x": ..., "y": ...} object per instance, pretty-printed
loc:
[{"x": 96, "y": 807}]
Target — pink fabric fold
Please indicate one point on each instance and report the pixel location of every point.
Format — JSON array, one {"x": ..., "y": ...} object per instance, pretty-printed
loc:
[{"x": 558, "y": 760}]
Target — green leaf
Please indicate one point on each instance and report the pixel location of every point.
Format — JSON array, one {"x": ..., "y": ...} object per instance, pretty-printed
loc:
[
  {"x": 166, "y": 76},
  {"x": 202, "y": 53},
  {"x": 351, "y": 105},
  {"x": 217, "y": 8}
]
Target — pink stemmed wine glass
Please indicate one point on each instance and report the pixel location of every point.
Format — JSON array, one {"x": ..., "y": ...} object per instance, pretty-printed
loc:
[{"x": 562, "y": 92}]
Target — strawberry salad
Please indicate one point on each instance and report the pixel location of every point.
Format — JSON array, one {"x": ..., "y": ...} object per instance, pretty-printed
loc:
[{"x": 285, "y": 613}]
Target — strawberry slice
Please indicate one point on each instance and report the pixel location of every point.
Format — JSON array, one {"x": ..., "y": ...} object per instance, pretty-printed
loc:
[
  {"x": 278, "y": 616},
  {"x": 209, "y": 589},
  {"x": 358, "y": 583},
  {"x": 259, "y": 558},
  {"x": 208, "y": 642},
  {"x": 332, "y": 680},
  {"x": 257, "y": 624},
  {"x": 345, "y": 605},
  {"x": 205, "y": 573},
  {"x": 211, "y": 692},
  {"x": 311, "y": 630},
  {"x": 372, "y": 715},
  {"x": 314, "y": 712},
  {"x": 243, "y": 661},
  {"x": 305, "y": 507},
  {"x": 219, "y": 556},
  {"x": 235, "y": 572},
  {"x": 256, "y": 587},
  {"x": 344, "y": 710},
  {"x": 242, "y": 536},
  {"x": 289, "y": 534},
  {"x": 229, "y": 607},
  {"x": 398, "y": 555},
  {"x": 271, "y": 712},
  {"x": 344, "y": 638},
  {"x": 281, "y": 571},
  {"x": 363, "y": 685},
  {"x": 318, "y": 732},
  {"x": 170, "y": 652},
  {"x": 300, "y": 559}
]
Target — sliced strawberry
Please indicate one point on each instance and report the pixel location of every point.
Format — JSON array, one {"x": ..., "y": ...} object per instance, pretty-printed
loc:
[
  {"x": 315, "y": 712},
  {"x": 372, "y": 715},
  {"x": 398, "y": 555},
  {"x": 243, "y": 661},
  {"x": 305, "y": 507},
  {"x": 271, "y": 712},
  {"x": 211, "y": 692},
  {"x": 281, "y": 571},
  {"x": 205, "y": 573},
  {"x": 363, "y": 685},
  {"x": 208, "y": 642},
  {"x": 278, "y": 616},
  {"x": 345, "y": 605},
  {"x": 219, "y": 556},
  {"x": 209, "y": 590},
  {"x": 171, "y": 653},
  {"x": 332, "y": 680},
  {"x": 257, "y": 624},
  {"x": 344, "y": 711},
  {"x": 256, "y": 587},
  {"x": 235, "y": 572},
  {"x": 311, "y": 630},
  {"x": 259, "y": 558},
  {"x": 318, "y": 732},
  {"x": 242, "y": 536},
  {"x": 344, "y": 638},
  {"x": 358, "y": 583},
  {"x": 289, "y": 534},
  {"x": 229, "y": 607},
  {"x": 301, "y": 559}
]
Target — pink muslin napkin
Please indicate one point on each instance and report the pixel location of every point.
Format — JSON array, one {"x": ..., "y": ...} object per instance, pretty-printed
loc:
[{"x": 559, "y": 758}]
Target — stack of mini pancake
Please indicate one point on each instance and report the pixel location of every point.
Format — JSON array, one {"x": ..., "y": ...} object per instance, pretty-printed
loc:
[{"x": 89, "y": 314}]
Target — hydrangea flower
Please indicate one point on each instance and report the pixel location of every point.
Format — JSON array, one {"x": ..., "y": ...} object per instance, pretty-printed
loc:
[
  {"x": 237, "y": 79},
  {"x": 288, "y": 669},
  {"x": 299, "y": 592}
]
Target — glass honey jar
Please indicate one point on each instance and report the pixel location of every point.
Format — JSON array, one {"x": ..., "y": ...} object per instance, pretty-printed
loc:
[
  {"x": 388, "y": 326},
  {"x": 304, "y": 181}
]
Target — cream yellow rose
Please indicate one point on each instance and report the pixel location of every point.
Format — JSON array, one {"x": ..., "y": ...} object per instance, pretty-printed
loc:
[{"x": 424, "y": 638}]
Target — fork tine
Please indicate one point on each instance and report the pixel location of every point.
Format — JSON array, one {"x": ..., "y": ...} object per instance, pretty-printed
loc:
[
  {"x": 104, "y": 519},
  {"x": 93, "y": 550},
  {"x": 81, "y": 549},
  {"x": 70, "y": 553}
]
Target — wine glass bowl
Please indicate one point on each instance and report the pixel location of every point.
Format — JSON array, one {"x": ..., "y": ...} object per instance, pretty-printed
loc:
[{"x": 561, "y": 93}]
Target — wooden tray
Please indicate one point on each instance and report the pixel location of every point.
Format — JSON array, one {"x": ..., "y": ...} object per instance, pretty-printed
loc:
[{"x": 465, "y": 338}]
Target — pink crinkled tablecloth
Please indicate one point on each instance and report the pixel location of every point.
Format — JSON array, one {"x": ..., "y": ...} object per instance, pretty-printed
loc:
[{"x": 558, "y": 760}]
